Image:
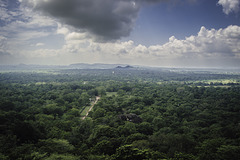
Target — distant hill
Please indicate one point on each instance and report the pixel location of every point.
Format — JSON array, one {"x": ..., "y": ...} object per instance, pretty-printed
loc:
[
  {"x": 71, "y": 66},
  {"x": 94, "y": 66},
  {"x": 30, "y": 67},
  {"x": 34, "y": 67},
  {"x": 124, "y": 67}
]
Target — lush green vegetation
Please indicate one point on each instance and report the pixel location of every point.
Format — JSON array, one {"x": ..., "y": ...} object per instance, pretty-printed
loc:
[{"x": 142, "y": 114}]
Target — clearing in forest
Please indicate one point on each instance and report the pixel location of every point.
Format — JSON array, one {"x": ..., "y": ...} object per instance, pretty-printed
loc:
[{"x": 86, "y": 111}]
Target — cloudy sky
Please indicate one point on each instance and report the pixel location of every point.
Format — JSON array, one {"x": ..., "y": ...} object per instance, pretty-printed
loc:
[{"x": 169, "y": 33}]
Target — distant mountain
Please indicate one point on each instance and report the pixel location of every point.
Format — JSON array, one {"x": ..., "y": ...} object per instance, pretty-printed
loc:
[
  {"x": 71, "y": 66},
  {"x": 94, "y": 66},
  {"x": 124, "y": 67},
  {"x": 30, "y": 67},
  {"x": 33, "y": 67}
]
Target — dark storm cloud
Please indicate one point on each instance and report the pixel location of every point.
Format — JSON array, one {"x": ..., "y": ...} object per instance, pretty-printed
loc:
[{"x": 106, "y": 19}]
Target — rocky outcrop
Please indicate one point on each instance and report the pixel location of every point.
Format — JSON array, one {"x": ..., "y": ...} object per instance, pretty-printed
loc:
[{"x": 130, "y": 117}]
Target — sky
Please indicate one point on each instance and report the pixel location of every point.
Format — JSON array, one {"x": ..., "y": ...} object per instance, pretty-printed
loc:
[{"x": 164, "y": 33}]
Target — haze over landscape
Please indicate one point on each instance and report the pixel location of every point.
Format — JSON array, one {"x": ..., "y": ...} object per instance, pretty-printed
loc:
[
  {"x": 119, "y": 79},
  {"x": 168, "y": 33}
]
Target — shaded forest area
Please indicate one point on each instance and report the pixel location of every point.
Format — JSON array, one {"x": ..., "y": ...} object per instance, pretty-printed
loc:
[{"x": 142, "y": 114}]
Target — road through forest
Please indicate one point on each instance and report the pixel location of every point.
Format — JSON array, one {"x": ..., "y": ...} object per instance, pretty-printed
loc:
[{"x": 97, "y": 98}]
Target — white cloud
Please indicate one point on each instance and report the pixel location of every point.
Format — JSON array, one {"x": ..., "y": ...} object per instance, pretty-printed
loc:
[
  {"x": 40, "y": 44},
  {"x": 208, "y": 43},
  {"x": 229, "y": 6},
  {"x": 23, "y": 28},
  {"x": 76, "y": 36},
  {"x": 208, "y": 46},
  {"x": 23, "y": 39},
  {"x": 62, "y": 30},
  {"x": 3, "y": 45}
]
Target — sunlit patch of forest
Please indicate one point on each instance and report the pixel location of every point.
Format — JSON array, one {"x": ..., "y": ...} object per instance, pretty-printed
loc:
[{"x": 141, "y": 114}]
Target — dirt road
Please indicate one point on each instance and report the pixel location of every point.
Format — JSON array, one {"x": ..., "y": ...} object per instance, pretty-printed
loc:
[{"x": 97, "y": 98}]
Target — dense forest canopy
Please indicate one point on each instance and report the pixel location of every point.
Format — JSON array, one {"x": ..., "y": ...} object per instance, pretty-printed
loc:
[{"x": 141, "y": 114}]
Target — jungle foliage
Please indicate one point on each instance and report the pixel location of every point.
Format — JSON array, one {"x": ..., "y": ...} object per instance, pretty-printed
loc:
[{"x": 142, "y": 114}]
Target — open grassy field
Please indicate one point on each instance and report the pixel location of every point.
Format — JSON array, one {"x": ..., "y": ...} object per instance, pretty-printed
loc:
[
  {"x": 223, "y": 81},
  {"x": 85, "y": 111}
]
